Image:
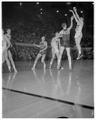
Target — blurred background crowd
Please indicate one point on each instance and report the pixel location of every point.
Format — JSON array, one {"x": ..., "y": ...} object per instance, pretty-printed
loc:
[{"x": 30, "y": 21}]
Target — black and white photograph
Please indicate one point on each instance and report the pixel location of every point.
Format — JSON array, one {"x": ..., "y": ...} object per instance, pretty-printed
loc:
[{"x": 47, "y": 59}]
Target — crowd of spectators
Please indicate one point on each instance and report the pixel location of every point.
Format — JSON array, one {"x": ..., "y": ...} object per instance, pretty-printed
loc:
[{"x": 32, "y": 32}]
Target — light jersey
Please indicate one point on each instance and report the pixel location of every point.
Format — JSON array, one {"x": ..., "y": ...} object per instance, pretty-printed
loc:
[
  {"x": 55, "y": 43},
  {"x": 6, "y": 38},
  {"x": 78, "y": 30},
  {"x": 4, "y": 43}
]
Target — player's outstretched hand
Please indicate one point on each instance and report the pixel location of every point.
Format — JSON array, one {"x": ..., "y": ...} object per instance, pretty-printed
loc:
[
  {"x": 74, "y": 8},
  {"x": 71, "y": 11}
]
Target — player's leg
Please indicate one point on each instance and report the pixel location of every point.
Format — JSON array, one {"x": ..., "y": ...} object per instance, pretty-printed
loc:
[
  {"x": 60, "y": 57},
  {"x": 43, "y": 60},
  {"x": 36, "y": 60},
  {"x": 5, "y": 58},
  {"x": 78, "y": 41},
  {"x": 69, "y": 58},
  {"x": 4, "y": 53},
  {"x": 57, "y": 55},
  {"x": 53, "y": 56},
  {"x": 11, "y": 60}
]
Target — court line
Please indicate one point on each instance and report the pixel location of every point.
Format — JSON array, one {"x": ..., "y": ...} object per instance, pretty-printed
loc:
[
  {"x": 62, "y": 117},
  {"x": 49, "y": 98}
]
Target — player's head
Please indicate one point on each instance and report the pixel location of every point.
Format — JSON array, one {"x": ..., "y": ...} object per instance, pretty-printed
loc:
[
  {"x": 8, "y": 31},
  {"x": 64, "y": 26},
  {"x": 81, "y": 18},
  {"x": 43, "y": 38},
  {"x": 56, "y": 34}
]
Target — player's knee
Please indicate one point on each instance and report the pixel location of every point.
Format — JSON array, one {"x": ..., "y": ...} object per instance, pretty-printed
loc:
[
  {"x": 38, "y": 56},
  {"x": 42, "y": 60}
]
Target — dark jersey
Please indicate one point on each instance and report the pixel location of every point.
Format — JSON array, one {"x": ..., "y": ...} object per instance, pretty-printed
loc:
[
  {"x": 65, "y": 40},
  {"x": 42, "y": 48}
]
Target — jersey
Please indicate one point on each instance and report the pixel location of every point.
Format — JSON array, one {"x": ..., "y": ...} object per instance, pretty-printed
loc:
[
  {"x": 4, "y": 43},
  {"x": 78, "y": 30},
  {"x": 65, "y": 39},
  {"x": 42, "y": 48},
  {"x": 55, "y": 42}
]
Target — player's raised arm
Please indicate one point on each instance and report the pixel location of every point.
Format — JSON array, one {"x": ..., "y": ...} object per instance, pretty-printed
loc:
[
  {"x": 71, "y": 25},
  {"x": 76, "y": 14}
]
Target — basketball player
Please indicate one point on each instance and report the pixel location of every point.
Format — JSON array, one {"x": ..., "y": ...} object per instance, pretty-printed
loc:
[
  {"x": 42, "y": 52},
  {"x": 55, "y": 45},
  {"x": 4, "y": 51},
  {"x": 8, "y": 54},
  {"x": 65, "y": 43},
  {"x": 78, "y": 31}
]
